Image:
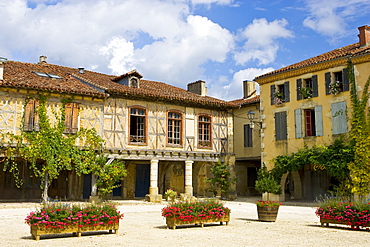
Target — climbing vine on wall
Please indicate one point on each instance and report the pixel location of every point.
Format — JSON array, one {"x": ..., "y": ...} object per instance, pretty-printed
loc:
[
  {"x": 360, "y": 134},
  {"x": 48, "y": 151}
]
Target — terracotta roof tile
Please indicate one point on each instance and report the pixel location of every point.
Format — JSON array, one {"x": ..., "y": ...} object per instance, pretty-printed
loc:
[
  {"x": 349, "y": 50},
  {"x": 21, "y": 75},
  {"x": 247, "y": 101}
]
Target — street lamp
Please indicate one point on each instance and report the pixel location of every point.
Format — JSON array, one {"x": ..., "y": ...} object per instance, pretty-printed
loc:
[{"x": 250, "y": 115}]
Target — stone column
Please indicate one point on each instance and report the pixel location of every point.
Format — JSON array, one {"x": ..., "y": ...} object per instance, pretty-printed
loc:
[
  {"x": 153, "y": 189},
  {"x": 189, "y": 178},
  {"x": 153, "y": 195}
]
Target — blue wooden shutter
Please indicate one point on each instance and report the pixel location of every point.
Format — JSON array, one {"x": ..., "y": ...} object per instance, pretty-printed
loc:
[
  {"x": 339, "y": 118},
  {"x": 327, "y": 83},
  {"x": 318, "y": 120},
  {"x": 298, "y": 123},
  {"x": 345, "y": 80},
  {"x": 286, "y": 92},
  {"x": 272, "y": 93},
  {"x": 299, "y": 85},
  {"x": 315, "y": 87}
]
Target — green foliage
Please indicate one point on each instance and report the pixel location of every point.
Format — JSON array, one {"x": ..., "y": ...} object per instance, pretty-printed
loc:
[
  {"x": 170, "y": 195},
  {"x": 49, "y": 151},
  {"x": 334, "y": 158},
  {"x": 221, "y": 178},
  {"x": 108, "y": 174},
  {"x": 360, "y": 133},
  {"x": 266, "y": 182}
]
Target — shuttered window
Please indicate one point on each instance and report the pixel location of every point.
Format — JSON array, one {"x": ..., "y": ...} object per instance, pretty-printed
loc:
[
  {"x": 31, "y": 117},
  {"x": 248, "y": 138},
  {"x": 281, "y": 126},
  {"x": 71, "y": 118},
  {"x": 339, "y": 118}
]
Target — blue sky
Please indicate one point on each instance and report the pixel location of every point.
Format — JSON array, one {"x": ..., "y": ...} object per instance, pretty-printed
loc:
[{"x": 222, "y": 42}]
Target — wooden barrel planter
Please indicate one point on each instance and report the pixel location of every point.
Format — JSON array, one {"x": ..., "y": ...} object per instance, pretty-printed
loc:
[{"x": 267, "y": 213}]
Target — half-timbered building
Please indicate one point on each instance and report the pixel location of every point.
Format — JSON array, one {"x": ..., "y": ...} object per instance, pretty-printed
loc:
[{"x": 167, "y": 136}]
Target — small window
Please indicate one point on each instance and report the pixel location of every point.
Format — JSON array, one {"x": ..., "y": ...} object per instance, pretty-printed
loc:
[
  {"x": 71, "y": 118},
  {"x": 137, "y": 125},
  {"x": 280, "y": 94},
  {"x": 174, "y": 126},
  {"x": 204, "y": 131},
  {"x": 248, "y": 138},
  {"x": 31, "y": 117},
  {"x": 47, "y": 75},
  {"x": 309, "y": 115},
  {"x": 336, "y": 82},
  {"x": 307, "y": 88}
]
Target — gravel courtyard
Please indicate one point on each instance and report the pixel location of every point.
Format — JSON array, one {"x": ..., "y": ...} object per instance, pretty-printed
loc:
[{"x": 143, "y": 225}]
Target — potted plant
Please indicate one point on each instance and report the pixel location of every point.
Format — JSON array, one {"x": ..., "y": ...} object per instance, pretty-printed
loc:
[
  {"x": 170, "y": 195},
  {"x": 267, "y": 185},
  {"x": 72, "y": 218},
  {"x": 199, "y": 212}
]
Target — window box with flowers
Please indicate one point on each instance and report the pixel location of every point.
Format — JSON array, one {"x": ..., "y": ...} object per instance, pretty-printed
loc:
[
  {"x": 354, "y": 214},
  {"x": 68, "y": 218},
  {"x": 306, "y": 92},
  {"x": 335, "y": 87},
  {"x": 279, "y": 98},
  {"x": 198, "y": 213}
]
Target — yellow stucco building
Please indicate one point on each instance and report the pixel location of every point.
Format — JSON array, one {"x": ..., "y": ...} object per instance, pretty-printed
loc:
[{"x": 308, "y": 103}]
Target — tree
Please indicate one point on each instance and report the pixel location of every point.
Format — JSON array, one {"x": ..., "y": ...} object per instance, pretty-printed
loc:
[
  {"x": 49, "y": 151},
  {"x": 221, "y": 179}
]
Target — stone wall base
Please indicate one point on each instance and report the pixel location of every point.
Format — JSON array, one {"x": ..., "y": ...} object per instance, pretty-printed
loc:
[{"x": 153, "y": 198}]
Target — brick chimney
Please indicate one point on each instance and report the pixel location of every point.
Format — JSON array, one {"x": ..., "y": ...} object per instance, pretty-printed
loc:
[
  {"x": 198, "y": 87},
  {"x": 2, "y": 61},
  {"x": 364, "y": 35}
]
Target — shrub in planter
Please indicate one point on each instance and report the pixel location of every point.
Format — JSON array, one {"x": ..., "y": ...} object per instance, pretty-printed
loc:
[{"x": 199, "y": 212}]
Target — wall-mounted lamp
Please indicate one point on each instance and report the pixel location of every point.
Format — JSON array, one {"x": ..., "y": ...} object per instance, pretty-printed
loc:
[{"x": 251, "y": 115}]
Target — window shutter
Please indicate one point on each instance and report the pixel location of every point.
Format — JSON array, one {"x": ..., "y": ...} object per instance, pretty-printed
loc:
[
  {"x": 74, "y": 123},
  {"x": 272, "y": 92},
  {"x": 327, "y": 83},
  {"x": 280, "y": 126},
  {"x": 315, "y": 88},
  {"x": 345, "y": 80},
  {"x": 318, "y": 120},
  {"x": 36, "y": 125},
  {"x": 339, "y": 118},
  {"x": 286, "y": 91},
  {"x": 248, "y": 136},
  {"x": 298, "y": 123},
  {"x": 299, "y": 86},
  {"x": 68, "y": 118},
  {"x": 28, "y": 116}
]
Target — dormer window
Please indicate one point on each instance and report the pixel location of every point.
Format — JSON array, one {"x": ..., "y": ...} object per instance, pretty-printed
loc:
[
  {"x": 134, "y": 82},
  {"x": 130, "y": 79}
]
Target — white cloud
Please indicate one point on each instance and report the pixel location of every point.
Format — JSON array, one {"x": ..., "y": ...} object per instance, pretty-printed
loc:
[
  {"x": 330, "y": 18},
  {"x": 261, "y": 44},
  {"x": 220, "y": 2},
  {"x": 234, "y": 89},
  {"x": 113, "y": 36}
]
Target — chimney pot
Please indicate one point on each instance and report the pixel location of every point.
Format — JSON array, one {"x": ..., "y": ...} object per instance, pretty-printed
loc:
[
  {"x": 2, "y": 61},
  {"x": 43, "y": 59},
  {"x": 364, "y": 35},
  {"x": 249, "y": 88}
]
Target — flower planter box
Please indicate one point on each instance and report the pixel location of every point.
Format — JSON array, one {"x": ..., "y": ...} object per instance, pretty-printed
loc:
[
  {"x": 326, "y": 222},
  {"x": 38, "y": 230},
  {"x": 172, "y": 223}
]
